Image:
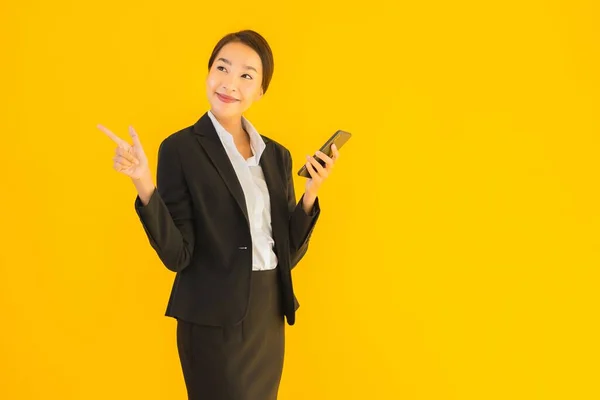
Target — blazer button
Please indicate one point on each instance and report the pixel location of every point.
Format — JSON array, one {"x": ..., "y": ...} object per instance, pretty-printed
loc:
[{"x": 243, "y": 248}]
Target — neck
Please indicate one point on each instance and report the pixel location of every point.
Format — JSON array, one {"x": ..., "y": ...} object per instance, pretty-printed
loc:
[{"x": 233, "y": 125}]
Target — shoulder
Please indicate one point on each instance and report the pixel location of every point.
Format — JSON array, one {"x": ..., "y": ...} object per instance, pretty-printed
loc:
[
  {"x": 279, "y": 148},
  {"x": 177, "y": 140}
]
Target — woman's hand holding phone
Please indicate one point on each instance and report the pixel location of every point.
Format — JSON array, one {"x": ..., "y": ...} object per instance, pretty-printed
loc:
[{"x": 318, "y": 175}]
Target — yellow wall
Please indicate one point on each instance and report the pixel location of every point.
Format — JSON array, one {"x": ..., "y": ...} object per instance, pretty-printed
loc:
[{"x": 457, "y": 255}]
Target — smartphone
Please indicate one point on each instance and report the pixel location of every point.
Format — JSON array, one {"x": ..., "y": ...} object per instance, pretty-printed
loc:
[{"x": 339, "y": 138}]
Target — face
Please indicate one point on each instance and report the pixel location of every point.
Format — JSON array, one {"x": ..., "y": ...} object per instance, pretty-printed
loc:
[{"x": 234, "y": 81}]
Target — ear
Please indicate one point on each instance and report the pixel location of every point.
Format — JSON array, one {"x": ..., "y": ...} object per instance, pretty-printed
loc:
[{"x": 260, "y": 94}]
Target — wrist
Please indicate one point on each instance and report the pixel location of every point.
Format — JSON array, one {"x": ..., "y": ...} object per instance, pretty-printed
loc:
[
  {"x": 308, "y": 201},
  {"x": 144, "y": 177},
  {"x": 144, "y": 186}
]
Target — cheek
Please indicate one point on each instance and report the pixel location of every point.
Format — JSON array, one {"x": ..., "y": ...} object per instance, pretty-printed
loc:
[
  {"x": 251, "y": 92},
  {"x": 211, "y": 83}
]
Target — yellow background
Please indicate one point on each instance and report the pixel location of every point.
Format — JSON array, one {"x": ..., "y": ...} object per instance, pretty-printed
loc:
[{"x": 457, "y": 253}]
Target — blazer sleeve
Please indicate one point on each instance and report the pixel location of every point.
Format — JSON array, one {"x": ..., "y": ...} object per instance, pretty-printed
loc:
[
  {"x": 168, "y": 217},
  {"x": 301, "y": 224}
]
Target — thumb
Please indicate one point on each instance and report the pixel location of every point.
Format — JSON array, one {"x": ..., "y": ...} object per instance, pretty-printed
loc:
[{"x": 135, "y": 137}]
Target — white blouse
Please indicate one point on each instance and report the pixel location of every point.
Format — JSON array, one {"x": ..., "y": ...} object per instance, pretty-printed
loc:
[{"x": 252, "y": 180}]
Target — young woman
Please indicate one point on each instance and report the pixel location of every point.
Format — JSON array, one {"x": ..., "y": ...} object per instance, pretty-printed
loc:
[{"x": 223, "y": 216}]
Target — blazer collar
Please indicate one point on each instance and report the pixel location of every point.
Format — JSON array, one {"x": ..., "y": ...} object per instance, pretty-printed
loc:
[
  {"x": 205, "y": 127},
  {"x": 256, "y": 141}
]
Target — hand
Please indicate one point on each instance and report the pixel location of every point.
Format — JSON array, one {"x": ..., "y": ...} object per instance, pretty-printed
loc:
[
  {"x": 129, "y": 160},
  {"x": 318, "y": 173}
]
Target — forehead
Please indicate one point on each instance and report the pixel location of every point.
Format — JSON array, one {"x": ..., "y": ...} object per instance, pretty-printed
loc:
[{"x": 240, "y": 54}]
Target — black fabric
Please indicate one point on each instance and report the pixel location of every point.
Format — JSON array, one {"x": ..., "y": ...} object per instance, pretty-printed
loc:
[
  {"x": 196, "y": 221},
  {"x": 241, "y": 362}
]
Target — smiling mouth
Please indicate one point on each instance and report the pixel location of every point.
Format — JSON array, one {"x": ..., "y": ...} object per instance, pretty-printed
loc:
[{"x": 226, "y": 99}]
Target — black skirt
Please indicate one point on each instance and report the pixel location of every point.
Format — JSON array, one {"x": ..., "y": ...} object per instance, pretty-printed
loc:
[{"x": 244, "y": 362}]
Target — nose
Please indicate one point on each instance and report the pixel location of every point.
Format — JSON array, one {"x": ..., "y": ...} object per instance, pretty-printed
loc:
[{"x": 230, "y": 84}]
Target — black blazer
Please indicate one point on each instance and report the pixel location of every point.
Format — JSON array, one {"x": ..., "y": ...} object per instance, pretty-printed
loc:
[{"x": 197, "y": 222}]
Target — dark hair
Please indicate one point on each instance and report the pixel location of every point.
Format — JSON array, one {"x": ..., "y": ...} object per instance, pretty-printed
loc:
[{"x": 255, "y": 41}]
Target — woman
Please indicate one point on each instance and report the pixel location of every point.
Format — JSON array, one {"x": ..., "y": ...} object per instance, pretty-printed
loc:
[{"x": 224, "y": 217}]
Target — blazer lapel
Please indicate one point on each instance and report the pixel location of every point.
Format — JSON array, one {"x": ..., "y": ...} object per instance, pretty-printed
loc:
[
  {"x": 279, "y": 212},
  {"x": 209, "y": 140}
]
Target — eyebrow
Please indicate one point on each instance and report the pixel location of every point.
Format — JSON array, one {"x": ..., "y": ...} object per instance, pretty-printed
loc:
[{"x": 226, "y": 61}]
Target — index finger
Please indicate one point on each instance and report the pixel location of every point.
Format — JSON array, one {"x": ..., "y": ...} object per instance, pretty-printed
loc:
[{"x": 114, "y": 137}]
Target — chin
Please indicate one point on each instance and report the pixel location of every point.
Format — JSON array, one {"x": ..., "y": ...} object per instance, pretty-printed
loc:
[{"x": 225, "y": 110}]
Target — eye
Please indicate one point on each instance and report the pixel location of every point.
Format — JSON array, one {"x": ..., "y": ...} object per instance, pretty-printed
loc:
[
  {"x": 221, "y": 68},
  {"x": 248, "y": 76}
]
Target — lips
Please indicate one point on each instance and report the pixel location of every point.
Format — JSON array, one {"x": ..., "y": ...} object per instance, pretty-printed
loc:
[{"x": 226, "y": 99}]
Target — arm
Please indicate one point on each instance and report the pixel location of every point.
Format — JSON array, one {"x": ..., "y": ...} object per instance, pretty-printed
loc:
[
  {"x": 302, "y": 222},
  {"x": 166, "y": 211}
]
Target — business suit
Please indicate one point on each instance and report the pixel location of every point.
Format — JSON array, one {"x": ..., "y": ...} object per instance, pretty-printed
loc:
[{"x": 197, "y": 222}]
